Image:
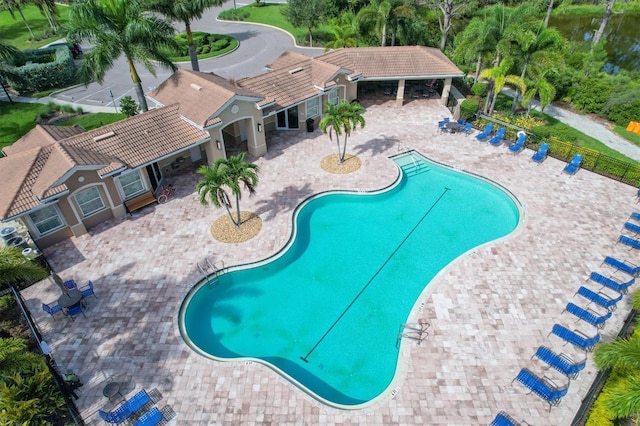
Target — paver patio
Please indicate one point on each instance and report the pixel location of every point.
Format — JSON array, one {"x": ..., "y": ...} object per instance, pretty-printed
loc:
[{"x": 489, "y": 310}]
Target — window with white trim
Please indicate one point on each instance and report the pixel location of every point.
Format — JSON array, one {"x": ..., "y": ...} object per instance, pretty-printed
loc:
[
  {"x": 312, "y": 108},
  {"x": 131, "y": 183},
  {"x": 89, "y": 201},
  {"x": 334, "y": 97},
  {"x": 46, "y": 220}
]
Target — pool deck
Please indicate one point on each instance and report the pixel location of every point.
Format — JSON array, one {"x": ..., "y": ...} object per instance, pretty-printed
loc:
[{"x": 489, "y": 310}]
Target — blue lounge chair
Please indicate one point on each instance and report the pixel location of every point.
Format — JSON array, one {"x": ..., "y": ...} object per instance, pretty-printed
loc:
[
  {"x": 635, "y": 216},
  {"x": 632, "y": 227},
  {"x": 503, "y": 419},
  {"x": 611, "y": 283},
  {"x": 136, "y": 403},
  {"x": 150, "y": 418},
  {"x": 467, "y": 128},
  {"x": 519, "y": 144},
  {"x": 485, "y": 133},
  {"x": 561, "y": 363},
  {"x": 574, "y": 165},
  {"x": 52, "y": 309},
  {"x": 497, "y": 139},
  {"x": 599, "y": 298},
  {"x": 627, "y": 268},
  {"x": 629, "y": 241},
  {"x": 88, "y": 290},
  {"x": 542, "y": 387},
  {"x": 575, "y": 337},
  {"x": 541, "y": 153},
  {"x": 588, "y": 316}
]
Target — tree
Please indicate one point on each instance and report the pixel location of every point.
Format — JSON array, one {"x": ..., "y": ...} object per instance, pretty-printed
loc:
[
  {"x": 448, "y": 10},
  {"x": 604, "y": 23},
  {"x": 7, "y": 52},
  {"x": 128, "y": 106},
  {"x": 10, "y": 5},
  {"x": 342, "y": 119},
  {"x": 49, "y": 10},
  {"x": 344, "y": 30},
  {"x": 227, "y": 174},
  {"x": 185, "y": 11},
  {"x": 306, "y": 13},
  {"x": 477, "y": 43},
  {"x": 14, "y": 267},
  {"x": 116, "y": 27},
  {"x": 376, "y": 14},
  {"x": 499, "y": 77}
]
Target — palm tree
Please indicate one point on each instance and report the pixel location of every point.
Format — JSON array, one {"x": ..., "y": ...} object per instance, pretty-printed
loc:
[
  {"x": 499, "y": 77},
  {"x": 344, "y": 30},
  {"x": 541, "y": 87},
  {"x": 227, "y": 174},
  {"x": 342, "y": 119},
  {"x": 185, "y": 11},
  {"x": 376, "y": 14},
  {"x": 10, "y": 5},
  {"x": 477, "y": 42},
  {"x": 624, "y": 400},
  {"x": 49, "y": 10},
  {"x": 14, "y": 267},
  {"x": 116, "y": 27}
]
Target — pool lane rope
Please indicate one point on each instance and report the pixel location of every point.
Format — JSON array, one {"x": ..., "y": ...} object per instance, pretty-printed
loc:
[{"x": 305, "y": 358}]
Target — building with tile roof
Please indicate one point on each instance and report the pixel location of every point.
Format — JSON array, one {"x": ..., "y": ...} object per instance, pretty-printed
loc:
[{"x": 61, "y": 181}]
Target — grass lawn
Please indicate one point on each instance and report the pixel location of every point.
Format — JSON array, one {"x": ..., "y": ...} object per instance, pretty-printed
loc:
[
  {"x": 630, "y": 136},
  {"x": 18, "y": 118},
  {"x": 15, "y": 32}
]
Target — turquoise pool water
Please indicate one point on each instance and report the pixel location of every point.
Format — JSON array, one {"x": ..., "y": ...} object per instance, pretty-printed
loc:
[{"x": 327, "y": 310}]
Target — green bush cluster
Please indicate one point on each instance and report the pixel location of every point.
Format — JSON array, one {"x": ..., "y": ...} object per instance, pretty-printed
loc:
[
  {"x": 234, "y": 15},
  {"x": 39, "y": 76},
  {"x": 479, "y": 89},
  {"x": 204, "y": 43},
  {"x": 468, "y": 108}
]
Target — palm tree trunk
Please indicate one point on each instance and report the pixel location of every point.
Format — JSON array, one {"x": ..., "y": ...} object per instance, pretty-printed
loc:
[
  {"x": 488, "y": 101},
  {"x": 384, "y": 35},
  {"x": 344, "y": 149},
  {"x": 478, "y": 66},
  {"x": 192, "y": 48},
  {"x": 493, "y": 101},
  {"x": 338, "y": 145},
  {"x": 142, "y": 101},
  {"x": 237, "y": 209},
  {"x": 25, "y": 22}
]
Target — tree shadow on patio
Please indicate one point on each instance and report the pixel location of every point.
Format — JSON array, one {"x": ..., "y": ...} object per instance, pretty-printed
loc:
[
  {"x": 377, "y": 146},
  {"x": 282, "y": 201}
]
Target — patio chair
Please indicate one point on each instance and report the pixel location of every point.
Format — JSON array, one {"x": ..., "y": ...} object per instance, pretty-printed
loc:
[
  {"x": 52, "y": 309},
  {"x": 575, "y": 337},
  {"x": 628, "y": 268},
  {"x": 70, "y": 284},
  {"x": 560, "y": 362},
  {"x": 134, "y": 404},
  {"x": 88, "y": 290},
  {"x": 485, "y": 133},
  {"x": 74, "y": 311},
  {"x": 573, "y": 165},
  {"x": 541, "y": 153},
  {"x": 588, "y": 316},
  {"x": 599, "y": 298},
  {"x": 150, "y": 418},
  {"x": 632, "y": 227},
  {"x": 462, "y": 121},
  {"x": 503, "y": 419},
  {"x": 468, "y": 127},
  {"x": 635, "y": 216},
  {"x": 497, "y": 139},
  {"x": 622, "y": 288},
  {"x": 518, "y": 145},
  {"x": 629, "y": 242},
  {"x": 542, "y": 387}
]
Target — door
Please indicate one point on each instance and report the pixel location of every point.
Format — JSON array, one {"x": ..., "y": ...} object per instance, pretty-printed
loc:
[{"x": 288, "y": 119}]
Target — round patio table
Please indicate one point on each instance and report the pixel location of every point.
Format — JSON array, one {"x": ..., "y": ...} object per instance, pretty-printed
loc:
[
  {"x": 70, "y": 298},
  {"x": 112, "y": 389}
]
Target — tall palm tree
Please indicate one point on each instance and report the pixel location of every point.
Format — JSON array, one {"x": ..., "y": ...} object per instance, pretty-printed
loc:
[
  {"x": 377, "y": 14},
  {"x": 116, "y": 27},
  {"x": 499, "y": 77},
  {"x": 227, "y": 174},
  {"x": 49, "y": 10},
  {"x": 185, "y": 11},
  {"x": 14, "y": 267},
  {"x": 477, "y": 43},
  {"x": 344, "y": 30},
  {"x": 11, "y": 6},
  {"x": 342, "y": 119},
  {"x": 541, "y": 87}
]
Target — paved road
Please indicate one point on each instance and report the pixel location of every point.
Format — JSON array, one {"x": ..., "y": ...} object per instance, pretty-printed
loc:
[{"x": 259, "y": 45}]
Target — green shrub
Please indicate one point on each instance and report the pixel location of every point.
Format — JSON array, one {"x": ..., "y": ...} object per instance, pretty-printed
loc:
[
  {"x": 128, "y": 106},
  {"x": 592, "y": 94},
  {"x": 468, "y": 108},
  {"x": 479, "y": 89},
  {"x": 7, "y": 301},
  {"x": 220, "y": 44},
  {"x": 37, "y": 77},
  {"x": 234, "y": 15},
  {"x": 206, "y": 49},
  {"x": 621, "y": 108}
]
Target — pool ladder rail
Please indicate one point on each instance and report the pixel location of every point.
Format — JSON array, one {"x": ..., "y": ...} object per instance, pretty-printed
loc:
[
  {"x": 210, "y": 270},
  {"x": 417, "y": 332}
]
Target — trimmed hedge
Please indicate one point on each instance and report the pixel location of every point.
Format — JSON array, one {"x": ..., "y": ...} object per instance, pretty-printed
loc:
[{"x": 37, "y": 77}]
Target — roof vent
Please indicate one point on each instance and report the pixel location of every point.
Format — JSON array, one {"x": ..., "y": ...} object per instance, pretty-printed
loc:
[
  {"x": 104, "y": 136},
  {"x": 295, "y": 70},
  {"x": 196, "y": 86}
]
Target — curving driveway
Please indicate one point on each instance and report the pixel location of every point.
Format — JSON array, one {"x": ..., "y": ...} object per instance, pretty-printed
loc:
[{"x": 259, "y": 46}]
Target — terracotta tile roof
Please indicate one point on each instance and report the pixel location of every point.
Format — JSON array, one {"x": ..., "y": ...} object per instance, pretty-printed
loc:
[
  {"x": 294, "y": 83},
  {"x": 42, "y": 135},
  {"x": 200, "y": 95},
  {"x": 393, "y": 61},
  {"x": 287, "y": 60},
  {"x": 33, "y": 174}
]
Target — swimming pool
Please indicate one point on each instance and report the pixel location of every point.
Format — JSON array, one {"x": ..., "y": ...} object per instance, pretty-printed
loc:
[{"x": 326, "y": 311}]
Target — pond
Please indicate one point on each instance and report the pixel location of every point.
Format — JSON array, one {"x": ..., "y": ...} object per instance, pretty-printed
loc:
[{"x": 623, "y": 38}]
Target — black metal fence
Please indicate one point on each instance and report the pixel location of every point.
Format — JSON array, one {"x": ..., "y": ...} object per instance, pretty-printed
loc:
[{"x": 593, "y": 161}]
